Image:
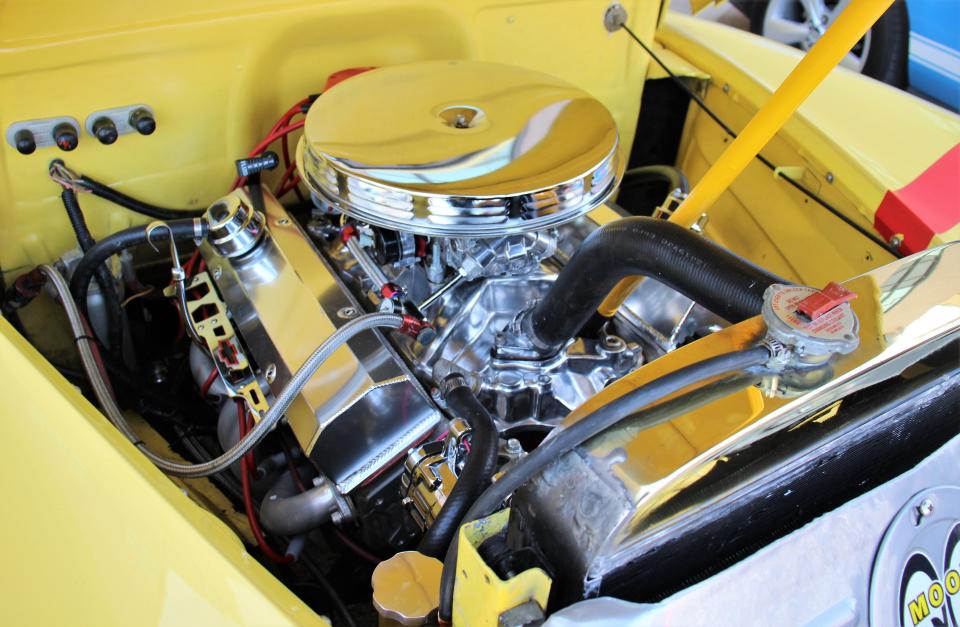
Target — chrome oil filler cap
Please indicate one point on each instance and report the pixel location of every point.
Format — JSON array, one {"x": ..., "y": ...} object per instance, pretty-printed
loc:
[
  {"x": 460, "y": 149},
  {"x": 235, "y": 227}
]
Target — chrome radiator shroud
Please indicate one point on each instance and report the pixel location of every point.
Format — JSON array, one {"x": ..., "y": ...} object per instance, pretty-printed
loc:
[
  {"x": 633, "y": 494},
  {"x": 365, "y": 408}
]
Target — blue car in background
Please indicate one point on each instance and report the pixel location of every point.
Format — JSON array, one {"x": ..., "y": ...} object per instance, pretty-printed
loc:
[{"x": 915, "y": 45}]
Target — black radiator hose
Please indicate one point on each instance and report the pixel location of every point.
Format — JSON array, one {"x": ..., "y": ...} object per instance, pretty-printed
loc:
[
  {"x": 104, "y": 279},
  {"x": 708, "y": 274},
  {"x": 479, "y": 468},
  {"x": 562, "y": 441},
  {"x": 183, "y": 230}
]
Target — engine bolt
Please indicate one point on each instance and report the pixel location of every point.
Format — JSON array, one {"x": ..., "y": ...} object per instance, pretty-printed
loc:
[
  {"x": 347, "y": 313},
  {"x": 271, "y": 373},
  {"x": 614, "y": 343}
]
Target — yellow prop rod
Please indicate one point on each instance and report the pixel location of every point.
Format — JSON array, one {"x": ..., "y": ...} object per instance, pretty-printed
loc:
[{"x": 850, "y": 26}]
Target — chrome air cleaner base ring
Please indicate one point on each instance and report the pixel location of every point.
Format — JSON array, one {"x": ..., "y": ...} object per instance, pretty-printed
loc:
[{"x": 464, "y": 149}]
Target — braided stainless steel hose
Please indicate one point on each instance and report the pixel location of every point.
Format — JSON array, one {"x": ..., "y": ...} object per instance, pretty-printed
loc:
[{"x": 274, "y": 414}]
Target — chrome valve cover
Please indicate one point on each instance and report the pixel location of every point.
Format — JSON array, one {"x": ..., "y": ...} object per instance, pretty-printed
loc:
[
  {"x": 364, "y": 409},
  {"x": 460, "y": 149}
]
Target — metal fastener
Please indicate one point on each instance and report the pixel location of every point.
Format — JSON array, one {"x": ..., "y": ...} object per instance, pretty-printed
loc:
[
  {"x": 347, "y": 313},
  {"x": 283, "y": 222},
  {"x": 614, "y": 343},
  {"x": 271, "y": 373},
  {"x": 700, "y": 224},
  {"x": 614, "y": 17},
  {"x": 217, "y": 272},
  {"x": 829, "y": 177},
  {"x": 925, "y": 508}
]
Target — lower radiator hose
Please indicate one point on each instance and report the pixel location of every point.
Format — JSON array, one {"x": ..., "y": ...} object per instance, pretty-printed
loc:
[
  {"x": 562, "y": 441},
  {"x": 708, "y": 274},
  {"x": 479, "y": 468}
]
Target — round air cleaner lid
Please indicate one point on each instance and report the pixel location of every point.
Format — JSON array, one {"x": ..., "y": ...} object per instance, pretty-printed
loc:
[{"x": 460, "y": 149}]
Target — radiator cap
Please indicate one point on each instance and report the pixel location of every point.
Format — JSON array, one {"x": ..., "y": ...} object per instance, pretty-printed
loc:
[
  {"x": 460, "y": 149},
  {"x": 834, "y": 330}
]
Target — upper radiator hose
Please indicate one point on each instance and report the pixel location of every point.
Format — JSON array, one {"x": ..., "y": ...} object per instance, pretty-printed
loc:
[{"x": 714, "y": 277}]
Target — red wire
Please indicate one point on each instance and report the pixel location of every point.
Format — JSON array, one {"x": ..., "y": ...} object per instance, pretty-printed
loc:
[
  {"x": 292, "y": 111},
  {"x": 245, "y": 471},
  {"x": 292, "y": 186},
  {"x": 205, "y": 388},
  {"x": 292, "y": 467},
  {"x": 356, "y": 548},
  {"x": 286, "y": 151},
  {"x": 188, "y": 267},
  {"x": 296, "y": 190},
  {"x": 274, "y": 136},
  {"x": 283, "y": 179},
  {"x": 96, "y": 356}
]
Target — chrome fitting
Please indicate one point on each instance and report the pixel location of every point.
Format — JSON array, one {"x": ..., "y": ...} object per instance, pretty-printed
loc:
[{"x": 235, "y": 228}]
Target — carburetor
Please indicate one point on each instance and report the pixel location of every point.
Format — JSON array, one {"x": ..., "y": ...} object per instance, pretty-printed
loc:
[
  {"x": 496, "y": 160},
  {"x": 450, "y": 204}
]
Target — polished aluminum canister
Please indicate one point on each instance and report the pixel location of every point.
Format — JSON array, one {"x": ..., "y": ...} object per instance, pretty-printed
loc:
[{"x": 460, "y": 149}]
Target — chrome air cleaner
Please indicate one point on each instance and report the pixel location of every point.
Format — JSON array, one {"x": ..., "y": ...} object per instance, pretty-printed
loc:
[{"x": 460, "y": 149}]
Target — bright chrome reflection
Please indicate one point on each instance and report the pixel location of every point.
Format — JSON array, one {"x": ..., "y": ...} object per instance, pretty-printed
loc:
[
  {"x": 628, "y": 477},
  {"x": 460, "y": 148}
]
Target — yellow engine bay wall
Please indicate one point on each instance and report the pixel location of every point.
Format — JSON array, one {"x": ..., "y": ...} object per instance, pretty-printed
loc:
[
  {"x": 852, "y": 140},
  {"x": 219, "y": 73},
  {"x": 94, "y": 533}
]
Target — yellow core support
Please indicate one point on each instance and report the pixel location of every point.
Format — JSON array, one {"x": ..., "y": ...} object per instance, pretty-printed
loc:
[{"x": 849, "y": 27}]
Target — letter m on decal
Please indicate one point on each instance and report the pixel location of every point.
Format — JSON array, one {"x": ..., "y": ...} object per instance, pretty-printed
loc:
[{"x": 919, "y": 609}]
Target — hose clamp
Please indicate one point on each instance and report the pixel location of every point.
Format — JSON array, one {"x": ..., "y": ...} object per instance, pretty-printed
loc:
[
  {"x": 198, "y": 233},
  {"x": 452, "y": 382}
]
